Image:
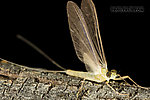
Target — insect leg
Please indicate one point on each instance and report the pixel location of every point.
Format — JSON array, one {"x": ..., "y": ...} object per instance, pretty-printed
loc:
[
  {"x": 125, "y": 77},
  {"x": 124, "y": 80},
  {"x": 80, "y": 89},
  {"x": 115, "y": 90}
]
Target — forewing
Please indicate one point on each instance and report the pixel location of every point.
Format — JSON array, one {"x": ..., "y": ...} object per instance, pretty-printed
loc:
[
  {"x": 89, "y": 12},
  {"x": 81, "y": 39}
]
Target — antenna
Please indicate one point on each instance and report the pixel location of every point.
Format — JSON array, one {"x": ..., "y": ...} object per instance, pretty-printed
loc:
[{"x": 39, "y": 50}]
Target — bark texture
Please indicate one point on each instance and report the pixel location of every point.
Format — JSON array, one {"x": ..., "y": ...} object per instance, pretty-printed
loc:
[{"x": 22, "y": 83}]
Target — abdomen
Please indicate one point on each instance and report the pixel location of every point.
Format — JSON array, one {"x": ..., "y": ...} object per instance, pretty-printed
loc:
[{"x": 86, "y": 75}]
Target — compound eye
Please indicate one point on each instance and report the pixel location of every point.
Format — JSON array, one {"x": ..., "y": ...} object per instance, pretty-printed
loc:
[
  {"x": 113, "y": 71},
  {"x": 108, "y": 74}
]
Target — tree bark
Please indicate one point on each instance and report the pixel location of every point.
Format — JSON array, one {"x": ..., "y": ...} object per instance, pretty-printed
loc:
[{"x": 23, "y": 83}]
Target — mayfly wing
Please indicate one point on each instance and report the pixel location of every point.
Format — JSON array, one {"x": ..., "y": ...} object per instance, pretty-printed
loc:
[
  {"x": 83, "y": 44},
  {"x": 89, "y": 12}
]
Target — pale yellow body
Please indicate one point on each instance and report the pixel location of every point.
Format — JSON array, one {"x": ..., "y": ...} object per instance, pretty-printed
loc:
[
  {"x": 85, "y": 33},
  {"x": 89, "y": 76}
]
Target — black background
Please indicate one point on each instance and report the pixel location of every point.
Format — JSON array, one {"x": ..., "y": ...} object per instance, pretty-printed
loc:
[{"x": 125, "y": 36}]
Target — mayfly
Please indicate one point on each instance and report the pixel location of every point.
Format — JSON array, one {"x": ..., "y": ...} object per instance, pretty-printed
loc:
[{"x": 85, "y": 33}]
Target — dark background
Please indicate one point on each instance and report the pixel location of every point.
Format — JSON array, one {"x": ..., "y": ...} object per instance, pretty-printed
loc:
[{"x": 125, "y": 36}]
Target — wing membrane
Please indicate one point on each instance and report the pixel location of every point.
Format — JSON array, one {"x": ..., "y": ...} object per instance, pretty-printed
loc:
[
  {"x": 90, "y": 16},
  {"x": 81, "y": 38}
]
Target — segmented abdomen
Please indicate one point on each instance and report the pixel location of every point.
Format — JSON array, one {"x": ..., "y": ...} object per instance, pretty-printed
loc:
[{"x": 86, "y": 75}]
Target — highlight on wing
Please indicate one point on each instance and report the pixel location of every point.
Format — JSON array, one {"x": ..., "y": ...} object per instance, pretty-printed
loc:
[{"x": 84, "y": 29}]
